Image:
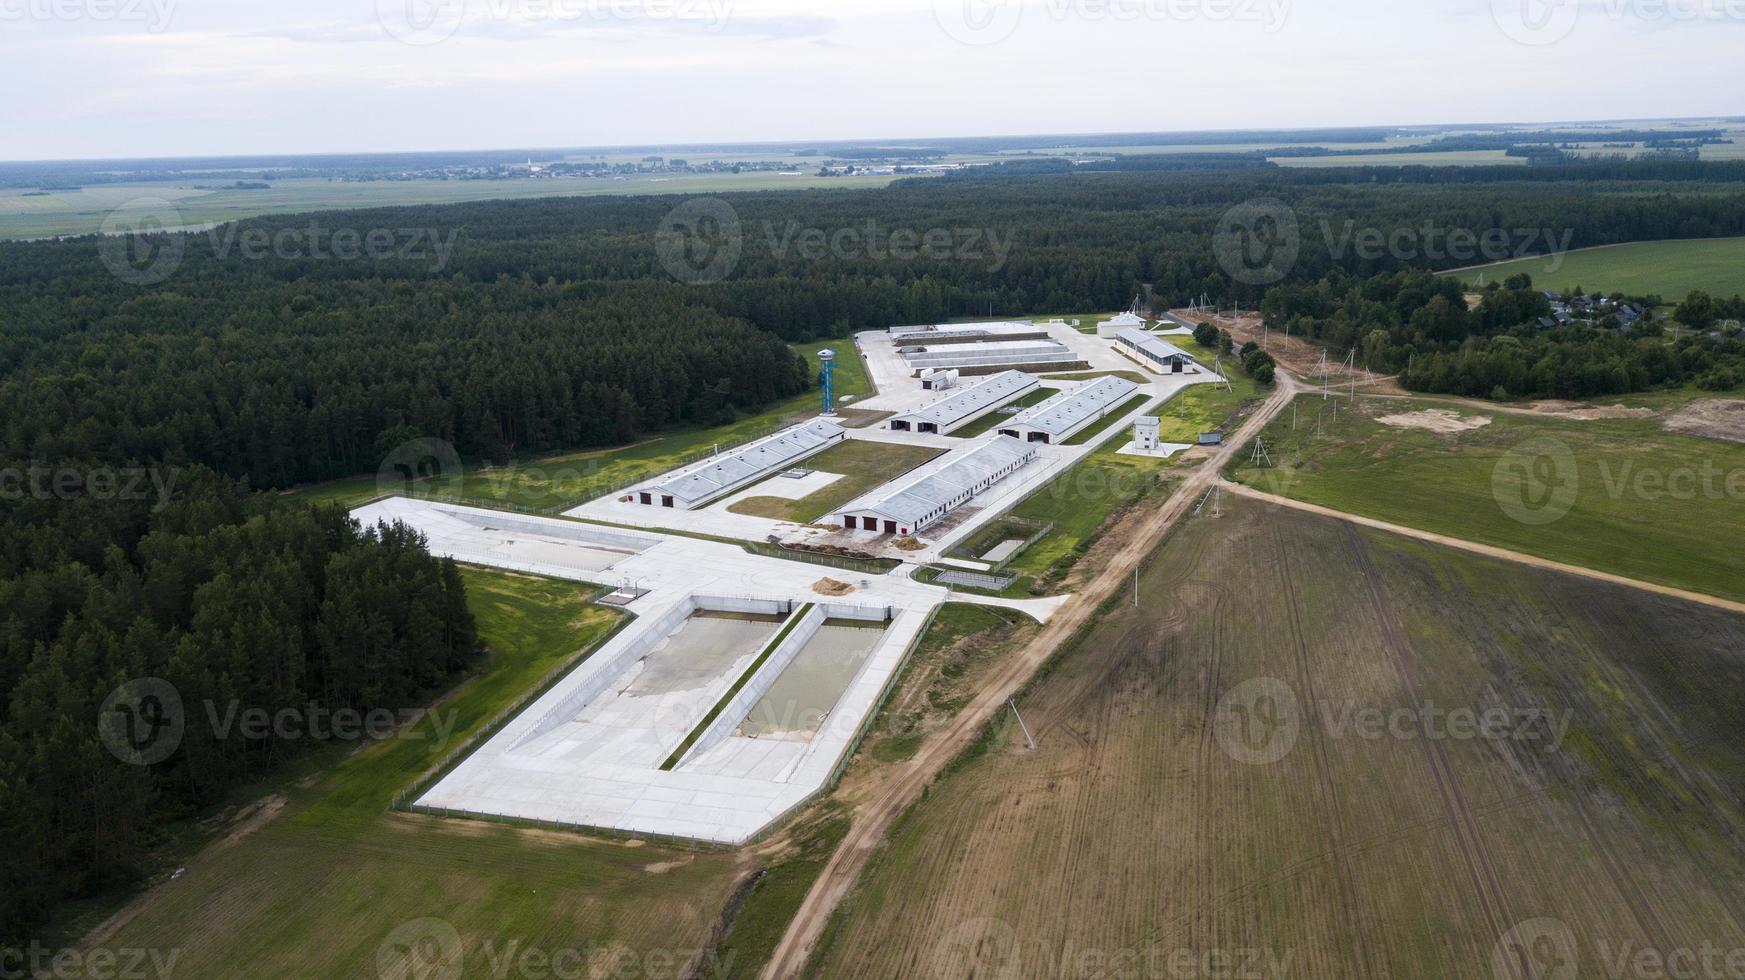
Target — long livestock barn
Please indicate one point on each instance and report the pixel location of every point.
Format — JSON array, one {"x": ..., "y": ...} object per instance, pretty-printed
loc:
[
  {"x": 929, "y": 499},
  {"x": 993, "y": 356},
  {"x": 1154, "y": 352},
  {"x": 1065, "y": 415},
  {"x": 690, "y": 488},
  {"x": 966, "y": 333},
  {"x": 959, "y": 409}
]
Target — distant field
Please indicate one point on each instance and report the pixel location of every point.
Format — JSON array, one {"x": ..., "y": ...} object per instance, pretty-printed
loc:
[
  {"x": 1210, "y": 797},
  {"x": 1671, "y": 269},
  {"x": 1440, "y": 158},
  {"x": 82, "y": 212},
  {"x": 1638, "y": 504}
]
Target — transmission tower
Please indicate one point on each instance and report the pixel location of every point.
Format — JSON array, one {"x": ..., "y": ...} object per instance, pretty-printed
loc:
[{"x": 1260, "y": 455}]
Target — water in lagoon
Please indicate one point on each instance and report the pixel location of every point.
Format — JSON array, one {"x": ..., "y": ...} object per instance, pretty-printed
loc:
[
  {"x": 700, "y": 652},
  {"x": 795, "y": 705}
]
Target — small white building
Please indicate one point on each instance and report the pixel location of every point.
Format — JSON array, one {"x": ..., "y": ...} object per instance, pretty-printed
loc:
[
  {"x": 1065, "y": 415},
  {"x": 1126, "y": 321},
  {"x": 1147, "y": 434},
  {"x": 929, "y": 499}
]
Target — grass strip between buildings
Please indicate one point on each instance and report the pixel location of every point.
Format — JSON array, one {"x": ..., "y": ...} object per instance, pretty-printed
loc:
[{"x": 744, "y": 679}]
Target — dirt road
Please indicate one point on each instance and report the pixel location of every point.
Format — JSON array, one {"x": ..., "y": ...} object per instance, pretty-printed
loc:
[
  {"x": 1486, "y": 550},
  {"x": 874, "y": 818}
]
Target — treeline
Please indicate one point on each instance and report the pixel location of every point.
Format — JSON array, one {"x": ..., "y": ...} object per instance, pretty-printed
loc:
[
  {"x": 1420, "y": 326},
  {"x": 239, "y": 606},
  {"x": 284, "y": 374},
  {"x": 555, "y": 324}
]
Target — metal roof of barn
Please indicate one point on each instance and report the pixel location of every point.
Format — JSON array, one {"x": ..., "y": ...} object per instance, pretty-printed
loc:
[
  {"x": 913, "y": 503},
  {"x": 956, "y": 407},
  {"x": 730, "y": 469},
  {"x": 1069, "y": 411}
]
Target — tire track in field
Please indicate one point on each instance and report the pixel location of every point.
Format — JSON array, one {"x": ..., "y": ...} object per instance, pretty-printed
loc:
[
  {"x": 1641, "y": 910},
  {"x": 1346, "y": 878},
  {"x": 1487, "y": 886}
]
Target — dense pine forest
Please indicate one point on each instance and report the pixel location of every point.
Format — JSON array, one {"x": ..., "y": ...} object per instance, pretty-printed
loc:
[
  {"x": 555, "y": 324},
  {"x": 560, "y": 324},
  {"x": 240, "y": 606}
]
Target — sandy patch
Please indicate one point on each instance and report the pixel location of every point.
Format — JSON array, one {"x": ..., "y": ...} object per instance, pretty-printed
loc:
[
  {"x": 254, "y": 817},
  {"x": 1711, "y": 418},
  {"x": 1581, "y": 412},
  {"x": 662, "y": 867},
  {"x": 1439, "y": 420},
  {"x": 829, "y": 586}
]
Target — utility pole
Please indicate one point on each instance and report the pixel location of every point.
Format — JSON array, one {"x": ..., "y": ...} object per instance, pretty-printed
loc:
[{"x": 1014, "y": 706}]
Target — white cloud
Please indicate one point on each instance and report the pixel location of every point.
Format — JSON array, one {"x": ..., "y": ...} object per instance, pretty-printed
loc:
[{"x": 327, "y": 75}]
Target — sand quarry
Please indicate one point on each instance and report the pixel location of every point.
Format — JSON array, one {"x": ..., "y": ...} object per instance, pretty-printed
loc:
[
  {"x": 1439, "y": 420},
  {"x": 1715, "y": 418}
]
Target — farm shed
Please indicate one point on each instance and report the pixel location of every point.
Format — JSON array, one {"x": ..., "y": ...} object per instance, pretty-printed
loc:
[
  {"x": 692, "y": 487},
  {"x": 928, "y": 499},
  {"x": 957, "y": 410},
  {"x": 1063, "y": 416}
]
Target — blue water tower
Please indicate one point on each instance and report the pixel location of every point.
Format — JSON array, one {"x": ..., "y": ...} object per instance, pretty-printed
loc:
[{"x": 828, "y": 380}]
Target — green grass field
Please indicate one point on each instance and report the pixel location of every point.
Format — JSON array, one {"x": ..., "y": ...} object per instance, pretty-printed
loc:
[
  {"x": 1641, "y": 502},
  {"x": 862, "y": 465},
  {"x": 82, "y": 212},
  {"x": 1202, "y": 800},
  {"x": 1669, "y": 269},
  {"x": 319, "y": 890},
  {"x": 558, "y": 482},
  {"x": 1080, "y": 502}
]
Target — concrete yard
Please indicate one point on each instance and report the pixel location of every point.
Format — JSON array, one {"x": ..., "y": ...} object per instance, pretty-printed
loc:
[
  {"x": 590, "y": 751},
  {"x": 737, "y": 688}
]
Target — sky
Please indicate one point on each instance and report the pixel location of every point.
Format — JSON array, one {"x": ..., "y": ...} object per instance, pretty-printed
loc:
[{"x": 146, "y": 78}]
